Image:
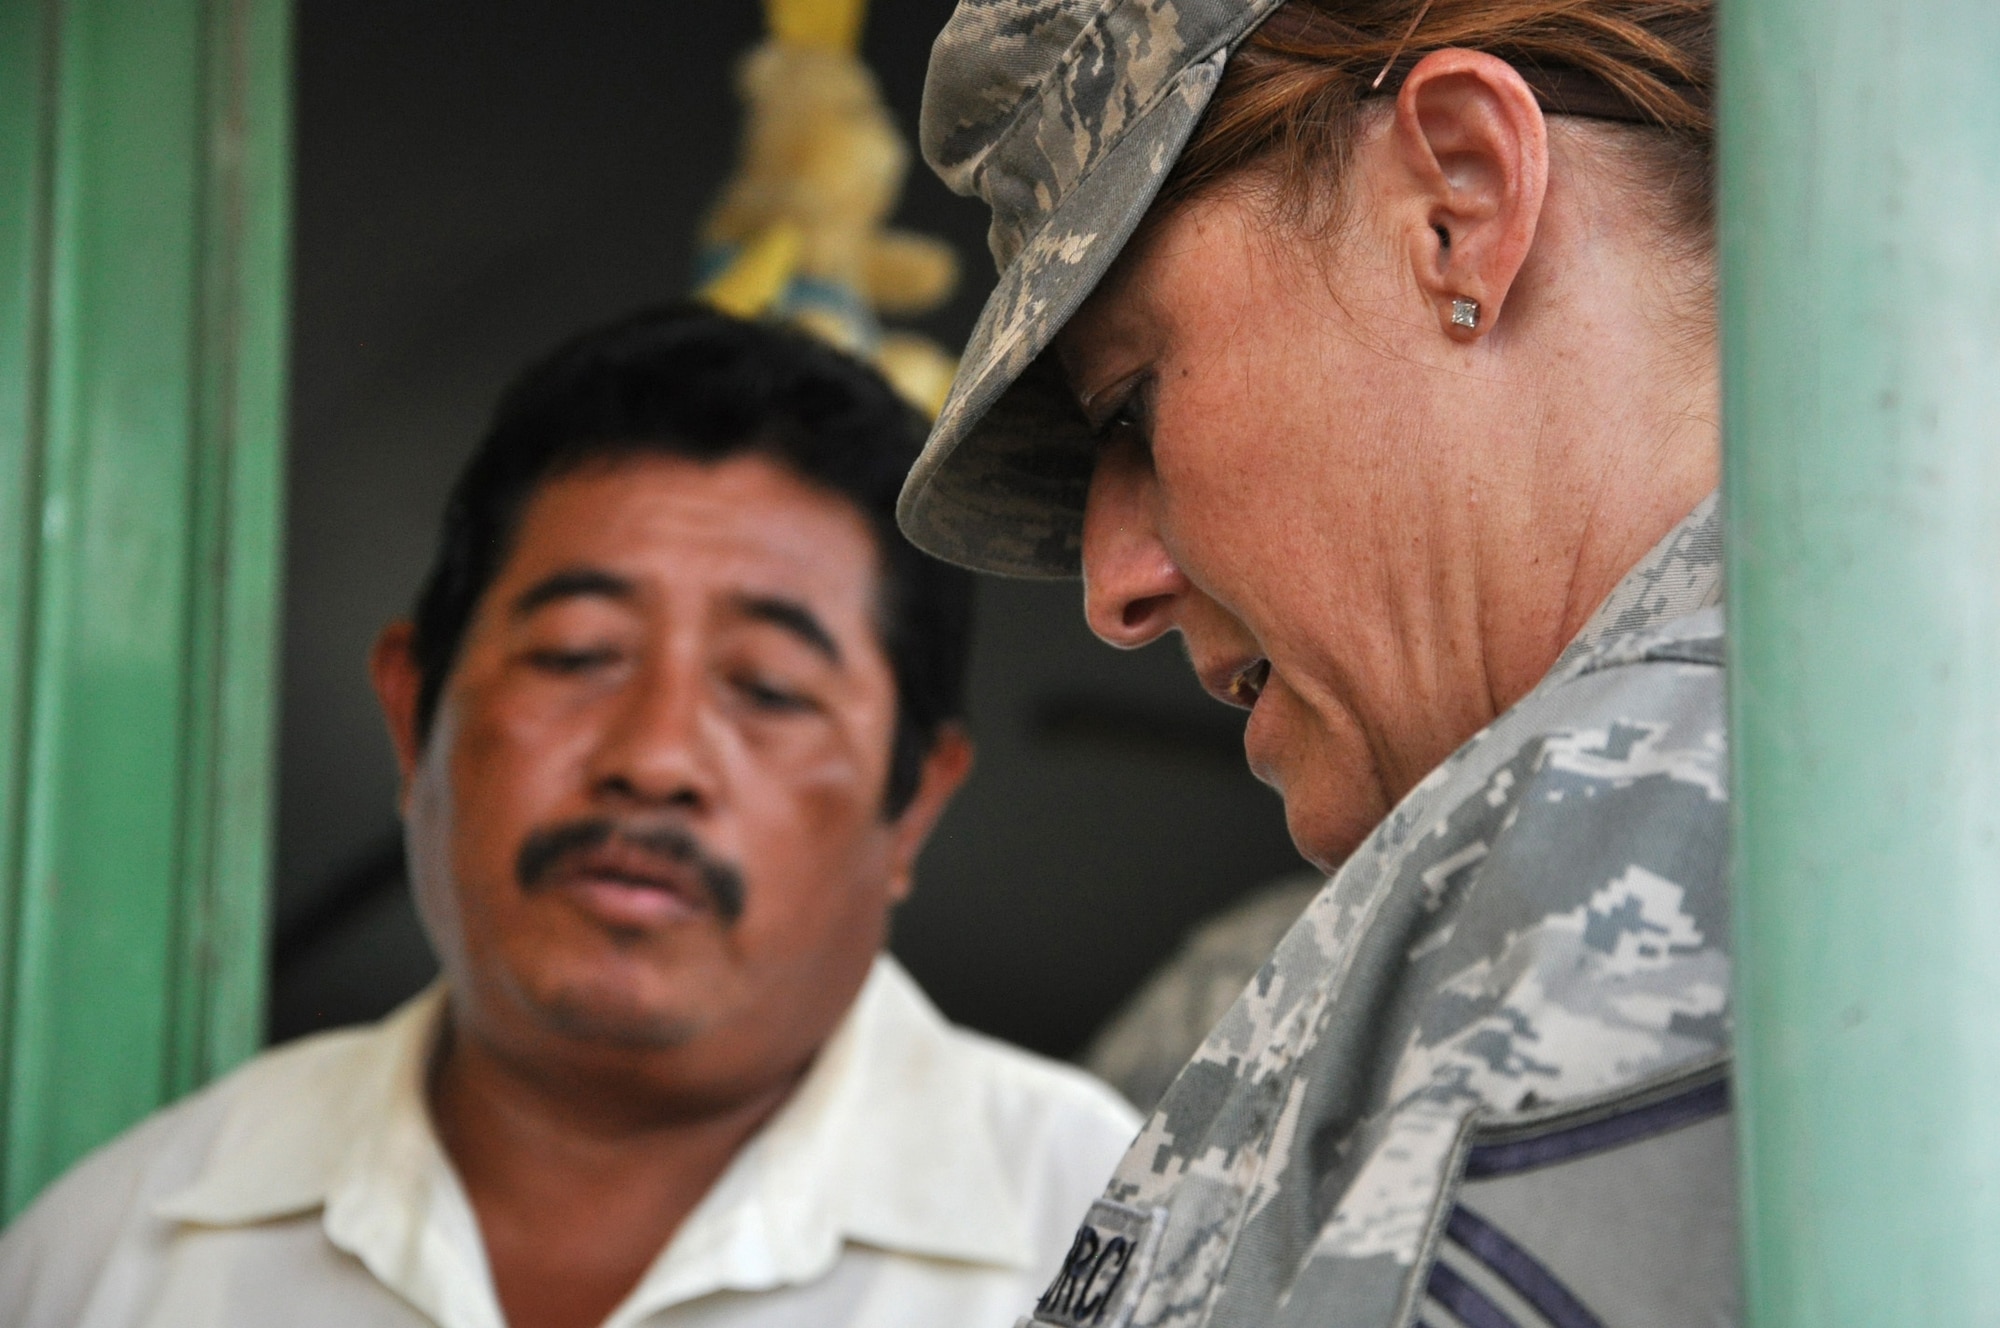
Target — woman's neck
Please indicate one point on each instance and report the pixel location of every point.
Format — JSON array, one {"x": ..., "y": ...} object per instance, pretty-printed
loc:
[{"x": 1623, "y": 420}]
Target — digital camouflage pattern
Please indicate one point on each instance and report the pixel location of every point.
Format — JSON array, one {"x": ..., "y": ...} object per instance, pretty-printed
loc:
[
  {"x": 1065, "y": 116},
  {"x": 1140, "y": 1050},
  {"x": 1536, "y": 935}
]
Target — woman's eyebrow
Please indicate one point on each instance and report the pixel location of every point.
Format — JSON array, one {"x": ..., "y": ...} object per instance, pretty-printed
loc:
[
  {"x": 792, "y": 616},
  {"x": 573, "y": 583}
]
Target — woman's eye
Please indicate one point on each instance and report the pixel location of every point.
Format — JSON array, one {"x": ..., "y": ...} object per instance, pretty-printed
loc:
[
  {"x": 1130, "y": 410},
  {"x": 564, "y": 663}
]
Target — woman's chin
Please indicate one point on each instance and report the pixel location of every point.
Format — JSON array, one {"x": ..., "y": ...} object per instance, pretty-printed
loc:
[
  {"x": 1329, "y": 816},
  {"x": 1317, "y": 842},
  {"x": 1332, "y": 798}
]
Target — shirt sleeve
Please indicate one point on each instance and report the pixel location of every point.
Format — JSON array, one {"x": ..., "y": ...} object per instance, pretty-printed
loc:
[{"x": 91, "y": 1237}]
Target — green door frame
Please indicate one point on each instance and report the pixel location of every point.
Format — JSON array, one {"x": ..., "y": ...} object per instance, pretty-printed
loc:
[
  {"x": 1861, "y": 334},
  {"x": 144, "y": 188}
]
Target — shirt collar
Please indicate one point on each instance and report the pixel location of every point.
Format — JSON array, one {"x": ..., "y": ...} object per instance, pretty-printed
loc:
[
  {"x": 305, "y": 1115},
  {"x": 340, "y": 1123},
  {"x": 880, "y": 1145},
  {"x": 1678, "y": 576}
]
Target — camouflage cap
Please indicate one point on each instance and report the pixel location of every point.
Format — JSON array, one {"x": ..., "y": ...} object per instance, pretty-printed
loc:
[{"x": 1065, "y": 116}]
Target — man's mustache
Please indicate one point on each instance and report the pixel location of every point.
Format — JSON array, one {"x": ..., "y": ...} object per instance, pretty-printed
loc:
[{"x": 544, "y": 850}]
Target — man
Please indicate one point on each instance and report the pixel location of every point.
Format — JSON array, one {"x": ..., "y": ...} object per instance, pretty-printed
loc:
[{"x": 676, "y": 712}]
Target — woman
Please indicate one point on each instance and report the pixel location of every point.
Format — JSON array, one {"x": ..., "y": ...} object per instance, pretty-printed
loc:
[{"x": 1370, "y": 345}]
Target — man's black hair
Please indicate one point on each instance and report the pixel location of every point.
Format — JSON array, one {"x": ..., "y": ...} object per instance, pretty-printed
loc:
[{"x": 684, "y": 380}]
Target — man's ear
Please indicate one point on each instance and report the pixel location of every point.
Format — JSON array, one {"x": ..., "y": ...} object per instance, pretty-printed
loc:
[
  {"x": 392, "y": 667},
  {"x": 1474, "y": 144},
  {"x": 945, "y": 768}
]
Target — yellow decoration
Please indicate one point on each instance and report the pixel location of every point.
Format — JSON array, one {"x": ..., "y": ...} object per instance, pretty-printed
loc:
[
  {"x": 918, "y": 368},
  {"x": 762, "y": 269},
  {"x": 830, "y": 25},
  {"x": 800, "y": 231}
]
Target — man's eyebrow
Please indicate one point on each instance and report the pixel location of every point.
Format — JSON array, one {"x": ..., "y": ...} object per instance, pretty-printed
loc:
[
  {"x": 793, "y": 617},
  {"x": 572, "y": 583}
]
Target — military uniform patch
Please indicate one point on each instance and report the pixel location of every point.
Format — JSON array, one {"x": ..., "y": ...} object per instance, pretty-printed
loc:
[{"x": 1100, "y": 1279}]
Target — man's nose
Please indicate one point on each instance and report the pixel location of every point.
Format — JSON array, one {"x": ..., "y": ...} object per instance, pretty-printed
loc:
[
  {"x": 1131, "y": 584},
  {"x": 658, "y": 748}
]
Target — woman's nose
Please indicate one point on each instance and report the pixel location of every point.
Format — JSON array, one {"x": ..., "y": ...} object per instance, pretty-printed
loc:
[{"x": 1131, "y": 584}]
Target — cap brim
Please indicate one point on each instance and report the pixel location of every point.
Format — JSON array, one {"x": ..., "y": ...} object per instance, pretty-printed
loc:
[{"x": 1000, "y": 486}]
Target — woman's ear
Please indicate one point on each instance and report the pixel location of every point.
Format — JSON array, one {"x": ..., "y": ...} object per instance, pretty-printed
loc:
[{"x": 1473, "y": 146}]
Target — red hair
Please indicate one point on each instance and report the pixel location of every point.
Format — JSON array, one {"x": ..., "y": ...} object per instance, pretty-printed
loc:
[{"x": 1290, "y": 97}]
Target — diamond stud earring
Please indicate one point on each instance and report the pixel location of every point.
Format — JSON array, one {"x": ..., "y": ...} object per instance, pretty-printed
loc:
[{"x": 1464, "y": 312}]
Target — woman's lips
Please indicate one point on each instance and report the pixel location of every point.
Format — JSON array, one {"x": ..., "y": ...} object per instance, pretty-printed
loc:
[
  {"x": 1248, "y": 683},
  {"x": 1260, "y": 740},
  {"x": 1244, "y": 686},
  {"x": 1235, "y": 684}
]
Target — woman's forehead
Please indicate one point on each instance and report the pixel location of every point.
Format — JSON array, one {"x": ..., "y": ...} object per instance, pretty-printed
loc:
[{"x": 1196, "y": 248}]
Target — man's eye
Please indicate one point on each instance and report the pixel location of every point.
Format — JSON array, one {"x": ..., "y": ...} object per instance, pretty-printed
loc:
[
  {"x": 768, "y": 696},
  {"x": 567, "y": 662}
]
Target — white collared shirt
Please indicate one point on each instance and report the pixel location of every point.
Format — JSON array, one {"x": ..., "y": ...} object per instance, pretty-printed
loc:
[{"x": 921, "y": 1174}]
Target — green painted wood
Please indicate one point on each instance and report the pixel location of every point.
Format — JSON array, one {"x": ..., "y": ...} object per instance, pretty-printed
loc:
[
  {"x": 144, "y": 156},
  {"x": 1861, "y": 317},
  {"x": 24, "y": 133}
]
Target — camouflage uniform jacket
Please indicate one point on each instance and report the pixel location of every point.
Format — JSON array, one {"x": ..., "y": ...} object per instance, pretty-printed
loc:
[{"x": 1481, "y": 1081}]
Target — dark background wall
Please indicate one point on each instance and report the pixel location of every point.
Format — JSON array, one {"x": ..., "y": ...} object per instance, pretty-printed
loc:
[{"x": 479, "y": 180}]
